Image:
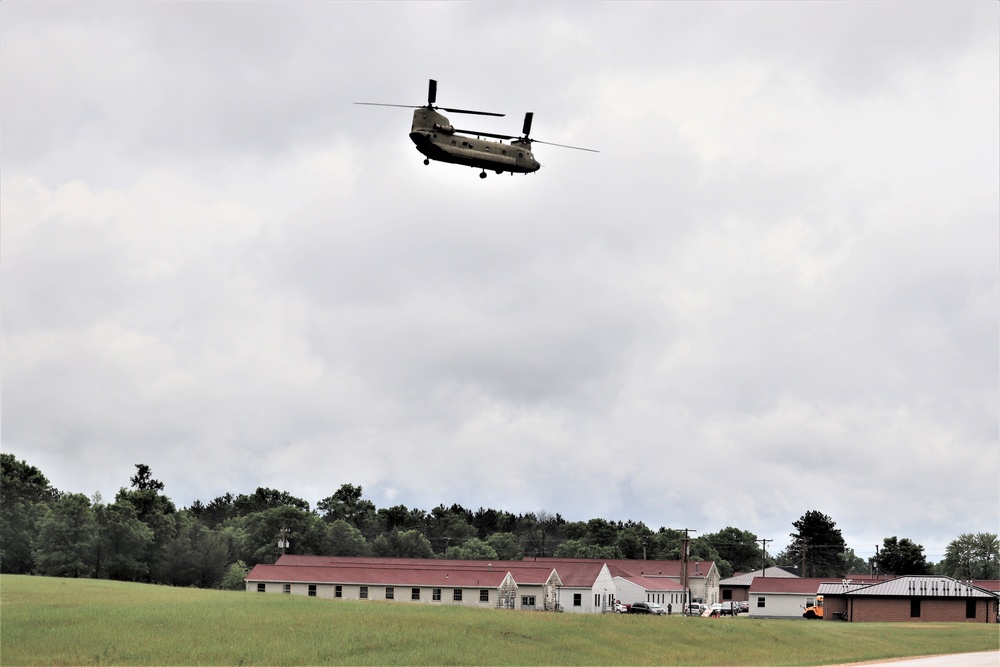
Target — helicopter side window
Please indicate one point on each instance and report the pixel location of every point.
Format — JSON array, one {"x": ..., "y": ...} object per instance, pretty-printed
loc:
[
  {"x": 454, "y": 143},
  {"x": 503, "y": 151},
  {"x": 487, "y": 149},
  {"x": 520, "y": 154}
]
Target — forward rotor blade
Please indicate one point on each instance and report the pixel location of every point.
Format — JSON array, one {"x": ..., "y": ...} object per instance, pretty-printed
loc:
[
  {"x": 379, "y": 104},
  {"x": 419, "y": 106},
  {"x": 576, "y": 148},
  {"x": 526, "y": 130},
  {"x": 474, "y": 113},
  {"x": 432, "y": 91}
]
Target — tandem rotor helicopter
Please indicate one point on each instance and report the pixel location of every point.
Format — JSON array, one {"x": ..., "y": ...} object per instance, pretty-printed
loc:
[{"x": 438, "y": 140}]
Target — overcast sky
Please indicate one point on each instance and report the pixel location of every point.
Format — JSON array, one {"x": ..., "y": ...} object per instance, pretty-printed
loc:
[{"x": 774, "y": 290}]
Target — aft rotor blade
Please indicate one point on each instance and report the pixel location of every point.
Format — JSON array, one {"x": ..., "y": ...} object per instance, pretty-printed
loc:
[
  {"x": 526, "y": 130},
  {"x": 485, "y": 134}
]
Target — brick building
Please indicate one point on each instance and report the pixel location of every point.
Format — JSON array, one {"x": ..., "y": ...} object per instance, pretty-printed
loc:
[{"x": 927, "y": 598}]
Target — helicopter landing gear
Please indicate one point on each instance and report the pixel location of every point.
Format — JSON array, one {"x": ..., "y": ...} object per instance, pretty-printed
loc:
[
  {"x": 426, "y": 161},
  {"x": 483, "y": 175}
]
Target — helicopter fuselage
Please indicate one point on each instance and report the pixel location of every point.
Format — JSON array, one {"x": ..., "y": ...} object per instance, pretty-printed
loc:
[{"x": 435, "y": 137}]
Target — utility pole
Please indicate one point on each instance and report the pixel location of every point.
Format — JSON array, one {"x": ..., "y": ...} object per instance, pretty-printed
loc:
[
  {"x": 763, "y": 557},
  {"x": 685, "y": 544},
  {"x": 283, "y": 541},
  {"x": 805, "y": 548}
]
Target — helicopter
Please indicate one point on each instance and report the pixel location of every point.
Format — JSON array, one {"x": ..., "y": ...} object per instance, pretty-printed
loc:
[{"x": 438, "y": 140}]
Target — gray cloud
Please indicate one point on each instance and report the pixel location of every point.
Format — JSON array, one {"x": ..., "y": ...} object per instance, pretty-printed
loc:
[{"x": 774, "y": 290}]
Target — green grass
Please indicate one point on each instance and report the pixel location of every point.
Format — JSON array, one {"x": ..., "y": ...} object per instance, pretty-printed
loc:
[{"x": 46, "y": 621}]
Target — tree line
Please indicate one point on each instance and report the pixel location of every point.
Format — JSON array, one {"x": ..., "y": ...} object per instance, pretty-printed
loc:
[{"x": 142, "y": 536}]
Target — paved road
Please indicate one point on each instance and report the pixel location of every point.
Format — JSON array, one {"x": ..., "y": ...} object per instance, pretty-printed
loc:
[{"x": 985, "y": 659}]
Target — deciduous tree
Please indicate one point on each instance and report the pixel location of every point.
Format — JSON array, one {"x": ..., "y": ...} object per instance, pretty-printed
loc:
[
  {"x": 346, "y": 540},
  {"x": 403, "y": 544},
  {"x": 67, "y": 538},
  {"x": 122, "y": 543},
  {"x": 233, "y": 579},
  {"x": 507, "y": 546},
  {"x": 739, "y": 548},
  {"x": 972, "y": 556},
  {"x": 24, "y": 492},
  {"x": 473, "y": 549}
]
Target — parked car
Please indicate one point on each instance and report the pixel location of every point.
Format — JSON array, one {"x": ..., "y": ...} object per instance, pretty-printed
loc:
[
  {"x": 727, "y": 608},
  {"x": 621, "y": 608},
  {"x": 695, "y": 609},
  {"x": 744, "y": 607},
  {"x": 646, "y": 608}
]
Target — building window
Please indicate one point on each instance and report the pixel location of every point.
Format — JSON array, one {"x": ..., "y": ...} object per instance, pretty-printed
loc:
[
  {"x": 457, "y": 595},
  {"x": 436, "y": 594},
  {"x": 914, "y": 607},
  {"x": 390, "y": 593},
  {"x": 312, "y": 590},
  {"x": 484, "y": 595},
  {"x": 414, "y": 593},
  {"x": 286, "y": 588},
  {"x": 970, "y": 608},
  {"x": 577, "y": 599},
  {"x": 527, "y": 600},
  {"x": 364, "y": 593},
  {"x": 338, "y": 591},
  {"x": 727, "y": 594},
  {"x": 760, "y": 603},
  {"x": 261, "y": 588}
]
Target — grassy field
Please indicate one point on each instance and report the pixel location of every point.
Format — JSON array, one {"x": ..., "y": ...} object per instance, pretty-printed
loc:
[{"x": 45, "y": 621}]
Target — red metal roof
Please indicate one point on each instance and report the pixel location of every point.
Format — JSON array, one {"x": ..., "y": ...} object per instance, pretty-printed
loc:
[
  {"x": 442, "y": 571},
  {"x": 571, "y": 572},
  {"x": 786, "y": 585},
  {"x": 377, "y": 576},
  {"x": 659, "y": 584},
  {"x": 646, "y": 568}
]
